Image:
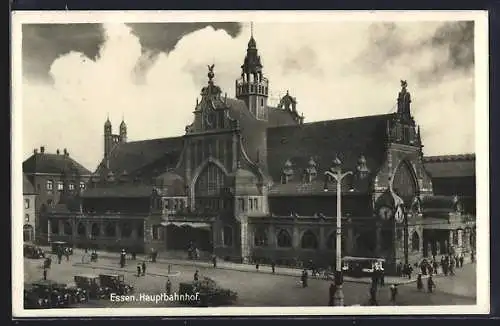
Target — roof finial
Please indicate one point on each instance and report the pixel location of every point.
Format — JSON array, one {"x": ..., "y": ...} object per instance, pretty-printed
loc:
[{"x": 251, "y": 29}]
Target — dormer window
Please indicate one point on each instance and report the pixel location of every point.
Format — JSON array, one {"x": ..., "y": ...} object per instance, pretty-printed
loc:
[
  {"x": 311, "y": 170},
  {"x": 287, "y": 173},
  {"x": 60, "y": 186},
  {"x": 50, "y": 185}
]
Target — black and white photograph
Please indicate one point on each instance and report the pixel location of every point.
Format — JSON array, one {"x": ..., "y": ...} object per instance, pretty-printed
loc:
[{"x": 250, "y": 163}]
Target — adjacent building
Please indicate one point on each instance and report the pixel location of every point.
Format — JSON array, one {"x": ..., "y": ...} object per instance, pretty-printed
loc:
[
  {"x": 247, "y": 182},
  {"x": 58, "y": 180},
  {"x": 29, "y": 225}
]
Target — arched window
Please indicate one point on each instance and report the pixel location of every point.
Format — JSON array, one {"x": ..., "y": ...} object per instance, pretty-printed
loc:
[
  {"x": 68, "y": 229},
  {"x": 415, "y": 241},
  {"x": 260, "y": 237},
  {"x": 28, "y": 234},
  {"x": 331, "y": 242},
  {"x": 110, "y": 229},
  {"x": 210, "y": 181},
  {"x": 404, "y": 182},
  {"x": 82, "y": 230},
  {"x": 309, "y": 240},
  {"x": 95, "y": 230},
  {"x": 227, "y": 236},
  {"x": 126, "y": 230},
  {"x": 140, "y": 229},
  {"x": 54, "y": 227},
  {"x": 284, "y": 239}
]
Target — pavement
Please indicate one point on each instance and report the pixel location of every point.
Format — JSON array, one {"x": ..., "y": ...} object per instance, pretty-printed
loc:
[{"x": 225, "y": 265}]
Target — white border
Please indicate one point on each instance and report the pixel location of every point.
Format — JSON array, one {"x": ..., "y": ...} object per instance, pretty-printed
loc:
[{"x": 482, "y": 152}]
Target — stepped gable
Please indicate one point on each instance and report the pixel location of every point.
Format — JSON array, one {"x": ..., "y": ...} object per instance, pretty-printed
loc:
[
  {"x": 133, "y": 156},
  {"x": 348, "y": 138},
  {"x": 449, "y": 166},
  {"x": 42, "y": 162}
]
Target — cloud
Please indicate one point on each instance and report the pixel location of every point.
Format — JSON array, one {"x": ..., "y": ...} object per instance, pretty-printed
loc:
[{"x": 335, "y": 70}]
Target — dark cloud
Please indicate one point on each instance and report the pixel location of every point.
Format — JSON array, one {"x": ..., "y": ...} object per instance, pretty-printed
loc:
[
  {"x": 386, "y": 45},
  {"x": 44, "y": 43}
]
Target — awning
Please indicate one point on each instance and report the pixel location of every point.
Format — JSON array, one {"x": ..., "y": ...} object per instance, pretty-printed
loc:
[{"x": 197, "y": 225}]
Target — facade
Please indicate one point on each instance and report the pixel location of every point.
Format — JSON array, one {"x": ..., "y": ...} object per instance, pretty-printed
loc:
[
  {"x": 29, "y": 224},
  {"x": 247, "y": 182},
  {"x": 58, "y": 180}
]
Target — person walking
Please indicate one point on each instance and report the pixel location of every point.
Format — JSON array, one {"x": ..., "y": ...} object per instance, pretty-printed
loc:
[
  {"x": 420, "y": 284},
  {"x": 196, "y": 276},
  {"x": 214, "y": 261},
  {"x": 138, "y": 269},
  {"x": 273, "y": 266},
  {"x": 430, "y": 284},
  {"x": 373, "y": 295},
  {"x": 461, "y": 260},
  {"x": 45, "y": 274},
  {"x": 144, "y": 268},
  {"x": 394, "y": 293},
  {"x": 168, "y": 286}
]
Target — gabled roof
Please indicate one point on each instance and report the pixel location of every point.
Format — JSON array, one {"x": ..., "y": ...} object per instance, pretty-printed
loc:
[
  {"x": 451, "y": 166},
  {"x": 53, "y": 163},
  {"x": 119, "y": 191},
  {"x": 323, "y": 141},
  {"x": 133, "y": 156},
  {"x": 28, "y": 188}
]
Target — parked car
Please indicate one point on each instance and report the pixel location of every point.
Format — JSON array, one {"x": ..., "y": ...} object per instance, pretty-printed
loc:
[
  {"x": 33, "y": 252},
  {"x": 61, "y": 247},
  {"x": 92, "y": 285},
  {"x": 115, "y": 283}
]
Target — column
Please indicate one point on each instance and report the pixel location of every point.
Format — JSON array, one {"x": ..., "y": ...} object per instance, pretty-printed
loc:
[
  {"x": 450, "y": 241},
  {"x": 460, "y": 243},
  {"x": 271, "y": 236},
  {"x": 49, "y": 231},
  {"x": 322, "y": 240},
  {"x": 295, "y": 237},
  {"x": 378, "y": 239},
  {"x": 245, "y": 250}
]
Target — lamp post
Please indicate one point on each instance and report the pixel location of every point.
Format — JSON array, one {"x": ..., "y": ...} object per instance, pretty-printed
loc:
[{"x": 336, "y": 173}]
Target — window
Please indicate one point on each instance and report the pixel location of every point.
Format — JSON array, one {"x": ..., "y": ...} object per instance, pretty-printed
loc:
[
  {"x": 260, "y": 237},
  {"x": 26, "y": 218},
  {"x": 158, "y": 232},
  {"x": 140, "y": 230},
  {"x": 50, "y": 185},
  {"x": 250, "y": 201},
  {"x": 241, "y": 203},
  {"x": 284, "y": 239},
  {"x": 71, "y": 186},
  {"x": 227, "y": 236},
  {"x": 126, "y": 230},
  {"x": 68, "y": 230},
  {"x": 26, "y": 203},
  {"x": 110, "y": 229},
  {"x": 95, "y": 230},
  {"x": 256, "y": 204},
  {"x": 415, "y": 241},
  {"x": 54, "y": 226},
  {"x": 82, "y": 185},
  {"x": 309, "y": 240},
  {"x": 60, "y": 185},
  {"x": 82, "y": 230}
]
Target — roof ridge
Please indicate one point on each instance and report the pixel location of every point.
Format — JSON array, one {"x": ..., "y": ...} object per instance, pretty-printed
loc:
[
  {"x": 335, "y": 120},
  {"x": 450, "y": 157}
]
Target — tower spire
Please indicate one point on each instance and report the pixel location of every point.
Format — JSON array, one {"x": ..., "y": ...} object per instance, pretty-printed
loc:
[{"x": 251, "y": 29}]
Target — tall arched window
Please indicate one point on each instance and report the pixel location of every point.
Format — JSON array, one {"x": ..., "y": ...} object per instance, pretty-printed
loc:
[
  {"x": 126, "y": 230},
  {"x": 68, "y": 230},
  {"x": 227, "y": 236},
  {"x": 309, "y": 240},
  {"x": 284, "y": 239},
  {"x": 260, "y": 237},
  {"x": 54, "y": 227},
  {"x": 140, "y": 229},
  {"x": 404, "y": 182},
  {"x": 110, "y": 229},
  {"x": 415, "y": 241},
  {"x": 82, "y": 230},
  {"x": 95, "y": 230},
  {"x": 210, "y": 181}
]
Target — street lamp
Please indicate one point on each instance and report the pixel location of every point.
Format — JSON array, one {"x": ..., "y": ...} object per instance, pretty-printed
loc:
[{"x": 336, "y": 173}]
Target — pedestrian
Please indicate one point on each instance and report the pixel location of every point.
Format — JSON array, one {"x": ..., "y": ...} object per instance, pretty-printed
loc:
[
  {"x": 273, "y": 266},
  {"x": 394, "y": 292},
  {"x": 257, "y": 267},
  {"x": 306, "y": 276},
  {"x": 399, "y": 269},
  {"x": 430, "y": 284},
  {"x": 382, "y": 277},
  {"x": 373, "y": 296},
  {"x": 472, "y": 257},
  {"x": 409, "y": 271},
  {"x": 45, "y": 274},
  {"x": 303, "y": 279},
  {"x": 168, "y": 286},
  {"x": 59, "y": 257},
  {"x": 435, "y": 266},
  {"x": 331, "y": 297},
  {"x": 144, "y": 268},
  {"x": 196, "y": 276},
  {"x": 134, "y": 255},
  {"x": 214, "y": 261},
  {"x": 138, "y": 270},
  {"x": 461, "y": 260},
  {"x": 420, "y": 284}
]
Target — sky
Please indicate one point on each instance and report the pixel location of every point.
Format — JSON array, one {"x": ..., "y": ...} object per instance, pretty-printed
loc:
[{"x": 151, "y": 74}]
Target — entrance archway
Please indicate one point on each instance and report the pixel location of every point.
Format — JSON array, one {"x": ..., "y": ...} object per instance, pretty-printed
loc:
[{"x": 182, "y": 236}]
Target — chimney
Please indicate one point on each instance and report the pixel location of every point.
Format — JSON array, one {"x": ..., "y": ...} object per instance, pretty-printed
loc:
[
  {"x": 57, "y": 152},
  {"x": 35, "y": 151},
  {"x": 66, "y": 152},
  {"x": 42, "y": 149}
]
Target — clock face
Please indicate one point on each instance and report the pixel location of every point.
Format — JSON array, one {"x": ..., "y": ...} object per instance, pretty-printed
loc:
[{"x": 385, "y": 213}]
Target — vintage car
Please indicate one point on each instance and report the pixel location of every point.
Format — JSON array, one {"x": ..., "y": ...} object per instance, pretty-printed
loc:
[
  {"x": 91, "y": 284},
  {"x": 210, "y": 293},
  {"x": 34, "y": 252},
  {"x": 362, "y": 266},
  {"x": 61, "y": 247},
  {"x": 115, "y": 283},
  {"x": 47, "y": 294}
]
